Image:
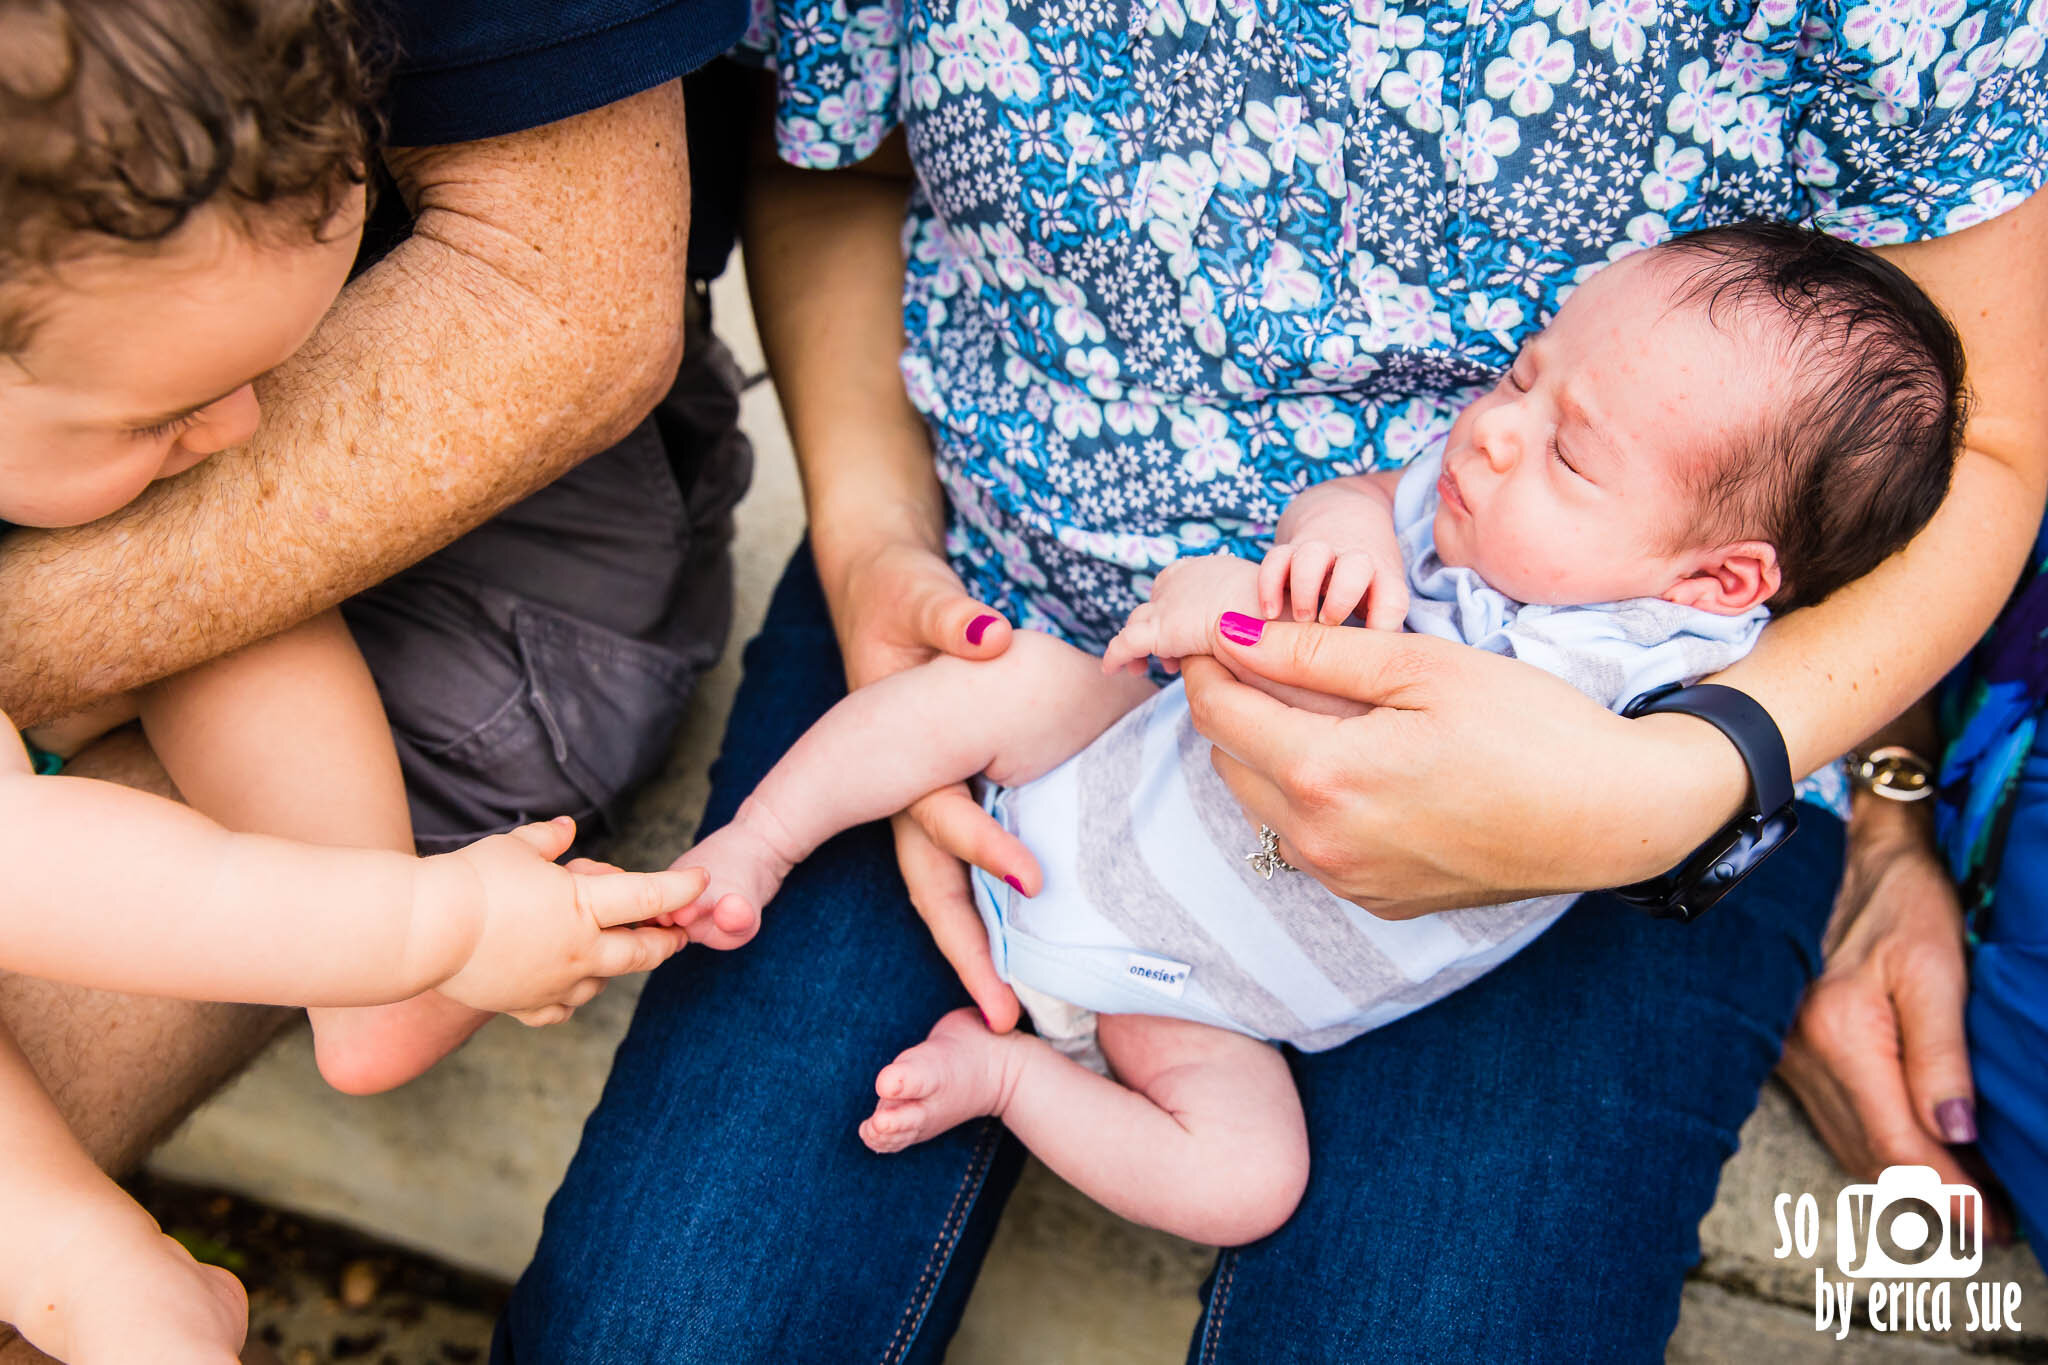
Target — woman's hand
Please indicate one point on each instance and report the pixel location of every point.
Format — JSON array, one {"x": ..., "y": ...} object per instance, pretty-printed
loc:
[
  {"x": 895, "y": 606},
  {"x": 1475, "y": 780},
  {"x": 1877, "y": 1055}
]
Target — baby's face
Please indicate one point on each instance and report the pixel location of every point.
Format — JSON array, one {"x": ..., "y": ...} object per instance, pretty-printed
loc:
[
  {"x": 143, "y": 363},
  {"x": 1566, "y": 484}
]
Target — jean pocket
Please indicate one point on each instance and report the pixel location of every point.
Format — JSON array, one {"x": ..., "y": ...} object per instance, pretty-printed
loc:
[{"x": 608, "y": 704}]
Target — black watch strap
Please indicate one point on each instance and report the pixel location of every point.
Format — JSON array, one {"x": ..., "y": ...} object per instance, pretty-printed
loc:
[
  {"x": 1748, "y": 726},
  {"x": 1713, "y": 869}
]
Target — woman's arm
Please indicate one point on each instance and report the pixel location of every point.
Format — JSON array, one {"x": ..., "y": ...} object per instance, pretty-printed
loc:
[
  {"x": 1877, "y": 1054},
  {"x": 1472, "y": 783},
  {"x": 825, "y": 266}
]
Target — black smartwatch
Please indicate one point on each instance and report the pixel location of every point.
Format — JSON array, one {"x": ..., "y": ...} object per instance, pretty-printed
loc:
[{"x": 1685, "y": 892}]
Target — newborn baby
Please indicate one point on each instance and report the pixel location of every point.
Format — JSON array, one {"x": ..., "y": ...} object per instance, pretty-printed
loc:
[{"x": 1738, "y": 421}]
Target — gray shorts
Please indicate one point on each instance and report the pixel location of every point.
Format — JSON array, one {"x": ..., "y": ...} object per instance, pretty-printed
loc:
[{"x": 539, "y": 665}]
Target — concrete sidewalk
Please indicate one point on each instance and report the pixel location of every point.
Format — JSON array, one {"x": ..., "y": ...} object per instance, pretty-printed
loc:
[{"x": 460, "y": 1163}]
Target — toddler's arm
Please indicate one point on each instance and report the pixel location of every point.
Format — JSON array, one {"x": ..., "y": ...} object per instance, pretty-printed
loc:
[
  {"x": 84, "y": 1269},
  {"x": 176, "y": 905}
]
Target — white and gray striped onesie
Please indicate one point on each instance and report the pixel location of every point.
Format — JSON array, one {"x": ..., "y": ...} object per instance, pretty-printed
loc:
[{"x": 1151, "y": 907}]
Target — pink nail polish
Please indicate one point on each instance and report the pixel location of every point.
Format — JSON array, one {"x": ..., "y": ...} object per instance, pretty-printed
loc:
[
  {"x": 978, "y": 627},
  {"x": 1017, "y": 886},
  {"x": 1239, "y": 628}
]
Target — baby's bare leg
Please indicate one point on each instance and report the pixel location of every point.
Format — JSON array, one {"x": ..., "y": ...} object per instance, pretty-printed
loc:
[
  {"x": 287, "y": 737},
  {"x": 1203, "y": 1138},
  {"x": 1012, "y": 717}
]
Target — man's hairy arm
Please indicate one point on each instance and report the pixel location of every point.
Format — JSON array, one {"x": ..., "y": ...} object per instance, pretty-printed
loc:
[{"x": 531, "y": 319}]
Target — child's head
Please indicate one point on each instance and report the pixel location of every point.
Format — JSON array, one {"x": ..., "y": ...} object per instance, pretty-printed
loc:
[
  {"x": 1752, "y": 413},
  {"x": 181, "y": 187}
]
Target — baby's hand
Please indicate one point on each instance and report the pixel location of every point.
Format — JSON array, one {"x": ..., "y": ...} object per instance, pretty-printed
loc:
[
  {"x": 544, "y": 939},
  {"x": 1187, "y": 597},
  {"x": 1330, "y": 583}
]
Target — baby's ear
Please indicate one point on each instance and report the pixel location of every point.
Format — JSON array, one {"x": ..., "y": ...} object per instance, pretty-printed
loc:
[{"x": 1729, "y": 579}]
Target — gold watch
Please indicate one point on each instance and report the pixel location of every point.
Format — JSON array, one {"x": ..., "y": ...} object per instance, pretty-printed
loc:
[{"x": 1894, "y": 772}]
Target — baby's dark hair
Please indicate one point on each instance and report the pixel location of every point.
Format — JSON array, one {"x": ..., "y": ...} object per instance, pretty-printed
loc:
[
  {"x": 120, "y": 118},
  {"x": 1863, "y": 457}
]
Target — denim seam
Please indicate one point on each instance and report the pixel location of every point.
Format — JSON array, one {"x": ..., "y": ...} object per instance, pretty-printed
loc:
[
  {"x": 1219, "y": 1304},
  {"x": 942, "y": 1249}
]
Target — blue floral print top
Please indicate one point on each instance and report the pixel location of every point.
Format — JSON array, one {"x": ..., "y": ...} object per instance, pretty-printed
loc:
[{"x": 1171, "y": 261}]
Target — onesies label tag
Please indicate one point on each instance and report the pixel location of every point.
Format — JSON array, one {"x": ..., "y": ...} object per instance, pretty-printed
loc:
[{"x": 1161, "y": 974}]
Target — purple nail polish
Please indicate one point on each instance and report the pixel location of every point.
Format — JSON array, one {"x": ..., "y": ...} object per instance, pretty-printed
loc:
[
  {"x": 1017, "y": 886},
  {"x": 1957, "y": 1120},
  {"x": 1239, "y": 628},
  {"x": 978, "y": 627}
]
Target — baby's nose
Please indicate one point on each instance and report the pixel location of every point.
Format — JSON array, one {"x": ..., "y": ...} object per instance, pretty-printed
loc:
[
  {"x": 228, "y": 422},
  {"x": 1498, "y": 438}
]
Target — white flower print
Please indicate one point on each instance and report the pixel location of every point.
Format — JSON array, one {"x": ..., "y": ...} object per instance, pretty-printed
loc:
[
  {"x": 1572, "y": 15},
  {"x": 1754, "y": 136},
  {"x": 1474, "y": 147},
  {"x": 1913, "y": 29},
  {"x": 959, "y": 67},
  {"x": 1199, "y": 314},
  {"x": 1288, "y": 285},
  {"x": 1207, "y": 448},
  {"x": 1988, "y": 199},
  {"x": 1690, "y": 111},
  {"x": 1748, "y": 68},
  {"x": 1006, "y": 63},
  {"x": 1533, "y": 65},
  {"x": 1811, "y": 162},
  {"x": 1341, "y": 364},
  {"x": 1137, "y": 234},
  {"x": 1669, "y": 182},
  {"x": 1074, "y": 413},
  {"x": 1418, "y": 87},
  {"x": 1618, "y": 25},
  {"x": 1098, "y": 367},
  {"x": 1320, "y": 427}
]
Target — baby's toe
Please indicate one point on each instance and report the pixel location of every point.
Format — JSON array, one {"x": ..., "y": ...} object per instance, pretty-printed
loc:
[{"x": 893, "y": 1126}]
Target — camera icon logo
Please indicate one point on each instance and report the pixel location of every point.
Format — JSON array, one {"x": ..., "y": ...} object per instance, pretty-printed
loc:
[{"x": 1909, "y": 1226}]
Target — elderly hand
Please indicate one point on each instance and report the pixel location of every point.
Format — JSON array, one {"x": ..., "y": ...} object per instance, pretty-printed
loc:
[
  {"x": 1877, "y": 1055},
  {"x": 896, "y": 607},
  {"x": 1475, "y": 780}
]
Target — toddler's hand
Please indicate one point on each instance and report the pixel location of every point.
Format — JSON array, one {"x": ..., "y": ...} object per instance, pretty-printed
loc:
[
  {"x": 544, "y": 939},
  {"x": 1187, "y": 597},
  {"x": 124, "y": 1292},
  {"x": 1330, "y": 583}
]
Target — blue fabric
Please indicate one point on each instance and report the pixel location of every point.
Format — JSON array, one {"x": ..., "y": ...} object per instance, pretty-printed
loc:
[
  {"x": 1516, "y": 1173},
  {"x": 2008, "y": 1010},
  {"x": 472, "y": 69},
  {"x": 1171, "y": 261},
  {"x": 1991, "y": 706}
]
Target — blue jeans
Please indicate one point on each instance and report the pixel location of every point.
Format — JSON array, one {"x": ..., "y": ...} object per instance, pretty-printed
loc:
[
  {"x": 2008, "y": 1010},
  {"x": 1516, "y": 1172}
]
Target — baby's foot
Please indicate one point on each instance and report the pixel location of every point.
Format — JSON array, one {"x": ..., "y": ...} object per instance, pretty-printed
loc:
[
  {"x": 744, "y": 868},
  {"x": 960, "y": 1071},
  {"x": 144, "y": 1298}
]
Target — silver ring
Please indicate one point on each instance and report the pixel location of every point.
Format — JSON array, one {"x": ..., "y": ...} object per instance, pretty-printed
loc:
[{"x": 1266, "y": 859}]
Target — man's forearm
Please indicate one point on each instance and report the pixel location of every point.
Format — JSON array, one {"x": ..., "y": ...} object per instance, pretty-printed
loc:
[{"x": 531, "y": 319}]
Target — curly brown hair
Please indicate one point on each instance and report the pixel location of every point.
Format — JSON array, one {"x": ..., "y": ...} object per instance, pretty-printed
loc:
[{"x": 120, "y": 118}]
